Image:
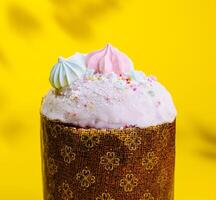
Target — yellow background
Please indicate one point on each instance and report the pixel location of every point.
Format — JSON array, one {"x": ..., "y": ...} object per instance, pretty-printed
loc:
[{"x": 172, "y": 39}]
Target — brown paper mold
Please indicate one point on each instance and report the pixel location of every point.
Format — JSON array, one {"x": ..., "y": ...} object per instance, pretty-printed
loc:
[{"x": 107, "y": 164}]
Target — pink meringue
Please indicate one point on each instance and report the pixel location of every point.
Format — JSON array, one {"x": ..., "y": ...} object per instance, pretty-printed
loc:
[{"x": 109, "y": 59}]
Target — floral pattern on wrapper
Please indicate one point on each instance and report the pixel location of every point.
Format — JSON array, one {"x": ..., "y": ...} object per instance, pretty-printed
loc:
[
  {"x": 132, "y": 141},
  {"x": 132, "y": 168},
  {"x": 129, "y": 182},
  {"x": 85, "y": 178},
  {"x": 149, "y": 161},
  {"x": 105, "y": 196},
  {"x": 109, "y": 161},
  {"x": 162, "y": 178},
  {"x": 90, "y": 140},
  {"x": 51, "y": 166},
  {"x": 67, "y": 154},
  {"x": 147, "y": 196},
  {"x": 65, "y": 191}
]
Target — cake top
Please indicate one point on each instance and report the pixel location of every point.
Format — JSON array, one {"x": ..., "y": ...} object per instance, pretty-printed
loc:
[{"x": 102, "y": 90}]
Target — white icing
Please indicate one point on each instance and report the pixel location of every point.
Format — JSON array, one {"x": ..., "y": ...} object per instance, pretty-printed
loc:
[{"x": 110, "y": 101}]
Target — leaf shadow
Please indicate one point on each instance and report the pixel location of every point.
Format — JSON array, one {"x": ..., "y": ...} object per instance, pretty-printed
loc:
[
  {"x": 22, "y": 20},
  {"x": 208, "y": 154},
  {"x": 3, "y": 60},
  {"x": 96, "y": 10},
  {"x": 208, "y": 135},
  {"x": 74, "y": 26},
  {"x": 2, "y": 100},
  {"x": 79, "y": 25},
  {"x": 12, "y": 129}
]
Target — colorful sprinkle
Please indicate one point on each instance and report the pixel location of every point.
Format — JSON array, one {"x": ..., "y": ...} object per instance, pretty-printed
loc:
[
  {"x": 158, "y": 103},
  {"x": 107, "y": 98},
  {"x": 70, "y": 115},
  {"x": 153, "y": 78},
  {"x": 134, "y": 89},
  {"x": 74, "y": 98},
  {"x": 91, "y": 106},
  {"x": 151, "y": 93}
]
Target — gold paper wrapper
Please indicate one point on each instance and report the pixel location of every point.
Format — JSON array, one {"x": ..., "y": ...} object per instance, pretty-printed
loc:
[{"x": 107, "y": 164}]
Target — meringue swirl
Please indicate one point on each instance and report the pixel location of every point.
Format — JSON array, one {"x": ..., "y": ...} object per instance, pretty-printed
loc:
[
  {"x": 138, "y": 76},
  {"x": 67, "y": 70},
  {"x": 109, "y": 59}
]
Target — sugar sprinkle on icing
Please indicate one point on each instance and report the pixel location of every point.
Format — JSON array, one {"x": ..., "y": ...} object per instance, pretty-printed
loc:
[
  {"x": 109, "y": 101},
  {"x": 103, "y": 90}
]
